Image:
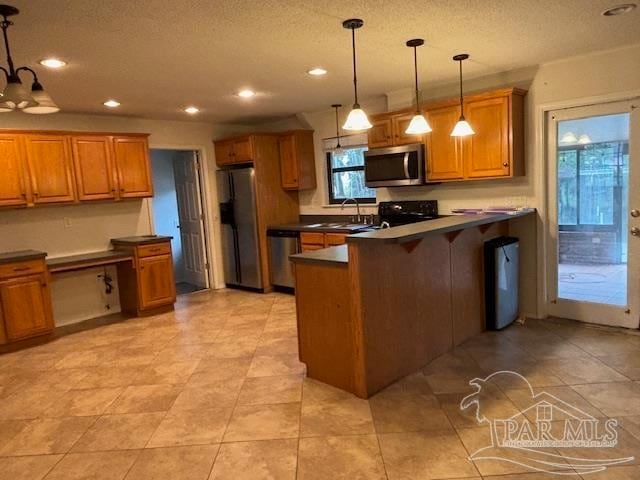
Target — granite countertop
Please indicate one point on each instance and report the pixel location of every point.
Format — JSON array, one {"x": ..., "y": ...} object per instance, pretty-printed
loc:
[
  {"x": 415, "y": 231},
  {"x": 140, "y": 240},
  {"x": 21, "y": 256},
  {"x": 337, "y": 255},
  {"x": 315, "y": 227}
]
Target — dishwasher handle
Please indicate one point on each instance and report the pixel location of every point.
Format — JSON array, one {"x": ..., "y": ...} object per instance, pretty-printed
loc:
[{"x": 283, "y": 233}]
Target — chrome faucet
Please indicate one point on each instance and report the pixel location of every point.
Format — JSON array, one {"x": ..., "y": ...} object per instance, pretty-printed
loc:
[{"x": 359, "y": 217}]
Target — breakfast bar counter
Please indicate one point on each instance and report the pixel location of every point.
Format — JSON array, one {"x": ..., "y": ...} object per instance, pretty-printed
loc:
[{"x": 390, "y": 301}]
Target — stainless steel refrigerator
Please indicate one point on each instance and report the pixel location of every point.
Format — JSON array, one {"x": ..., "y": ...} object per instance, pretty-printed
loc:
[{"x": 237, "y": 196}]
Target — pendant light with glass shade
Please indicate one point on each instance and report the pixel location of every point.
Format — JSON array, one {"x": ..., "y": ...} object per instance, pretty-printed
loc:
[
  {"x": 357, "y": 119},
  {"x": 338, "y": 150},
  {"x": 462, "y": 128},
  {"x": 418, "y": 124},
  {"x": 15, "y": 96}
]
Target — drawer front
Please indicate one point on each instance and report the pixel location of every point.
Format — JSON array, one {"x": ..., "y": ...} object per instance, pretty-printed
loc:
[
  {"x": 19, "y": 269},
  {"x": 312, "y": 237},
  {"x": 154, "y": 249},
  {"x": 310, "y": 247},
  {"x": 336, "y": 239}
]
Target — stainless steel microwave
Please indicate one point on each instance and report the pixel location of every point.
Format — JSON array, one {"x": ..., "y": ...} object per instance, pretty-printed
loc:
[{"x": 394, "y": 166}]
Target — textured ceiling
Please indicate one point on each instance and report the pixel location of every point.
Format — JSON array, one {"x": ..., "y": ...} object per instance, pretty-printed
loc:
[{"x": 158, "y": 56}]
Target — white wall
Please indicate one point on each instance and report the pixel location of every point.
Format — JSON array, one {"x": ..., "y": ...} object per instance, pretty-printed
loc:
[
  {"x": 78, "y": 295},
  {"x": 165, "y": 205}
]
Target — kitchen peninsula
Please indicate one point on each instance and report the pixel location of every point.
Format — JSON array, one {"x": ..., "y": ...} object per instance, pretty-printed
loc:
[{"x": 384, "y": 305}]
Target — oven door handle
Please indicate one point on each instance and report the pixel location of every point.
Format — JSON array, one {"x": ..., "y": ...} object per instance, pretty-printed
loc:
[{"x": 406, "y": 165}]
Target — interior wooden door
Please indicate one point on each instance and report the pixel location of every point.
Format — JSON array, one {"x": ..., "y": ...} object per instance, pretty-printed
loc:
[
  {"x": 242, "y": 150},
  {"x": 288, "y": 162},
  {"x": 400, "y": 124},
  {"x": 381, "y": 133},
  {"x": 444, "y": 155},
  {"x": 155, "y": 281},
  {"x": 26, "y": 306},
  {"x": 131, "y": 156},
  {"x": 50, "y": 168},
  {"x": 487, "y": 154},
  {"x": 13, "y": 182},
  {"x": 95, "y": 179}
]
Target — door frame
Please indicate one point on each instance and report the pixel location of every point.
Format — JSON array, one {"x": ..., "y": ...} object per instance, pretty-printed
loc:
[
  {"x": 546, "y": 180},
  {"x": 210, "y": 234}
]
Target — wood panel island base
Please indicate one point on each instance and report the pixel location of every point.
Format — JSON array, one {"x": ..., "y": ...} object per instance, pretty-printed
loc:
[{"x": 390, "y": 301}]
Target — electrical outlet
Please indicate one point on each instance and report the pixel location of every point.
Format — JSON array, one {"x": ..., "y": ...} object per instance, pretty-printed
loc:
[{"x": 67, "y": 222}]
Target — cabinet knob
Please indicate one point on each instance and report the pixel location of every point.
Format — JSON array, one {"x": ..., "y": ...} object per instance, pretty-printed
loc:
[
  {"x": 122, "y": 190},
  {"x": 505, "y": 164},
  {"x": 36, "y": 194},
  {"x": 23, "y": 195}
]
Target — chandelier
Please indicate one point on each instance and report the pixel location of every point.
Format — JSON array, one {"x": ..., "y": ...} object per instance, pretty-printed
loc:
[{"x": 15, "y": 96}]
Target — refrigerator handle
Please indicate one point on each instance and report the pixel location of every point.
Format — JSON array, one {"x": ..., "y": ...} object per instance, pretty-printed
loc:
[{"x": 234, "y": 227}]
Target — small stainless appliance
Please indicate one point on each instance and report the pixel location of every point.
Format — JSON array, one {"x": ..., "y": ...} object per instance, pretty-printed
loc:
[
  {"x": 282, "y": 243},
  {"x": 501, "y": 264},
  {"x": 394, "y": 166},
  {"x": 237, "y": 195},
  {"x": 394, "y": 214}
]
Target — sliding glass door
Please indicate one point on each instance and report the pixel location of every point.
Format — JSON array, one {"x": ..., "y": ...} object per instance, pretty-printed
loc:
[{"x": 594, "y": 187}]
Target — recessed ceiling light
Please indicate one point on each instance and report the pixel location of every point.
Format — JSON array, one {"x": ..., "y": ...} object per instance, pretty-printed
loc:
[
  {"x": 317, "y": 72},
  {"x": 52, "y": 63},
  {"x": 111, "y": 103},
  {"x": 192, "y": 110},
  {"x": 619, "y": 9},
  {"x": 246, "y": 93}
]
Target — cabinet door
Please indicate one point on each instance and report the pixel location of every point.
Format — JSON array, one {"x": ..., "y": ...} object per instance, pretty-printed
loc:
[
  {"x": 486, "y": 154},
  {"x": 333, "y": 239},
  {"x": 288, "y": 162},
  {"x": 26, "y": 306},
  {"x": 224, "y": 152},
  {"x": 132, "y": 163},
  {"x": 400, "y": 124},
  {"x": 381, "y": 133},
  {"x": 95, "y": 179},
  {"x": 50, "y": 167},
  {"x": 242, "y": 150},
  {"x": 155, "y": 281},
  {"x": 444, "y": 155},
  {"x": 13, "y": 181}
]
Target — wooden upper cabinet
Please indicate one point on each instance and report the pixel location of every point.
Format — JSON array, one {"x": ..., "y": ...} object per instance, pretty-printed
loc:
[
  {"x": 381, "y": 133},
  {"x": 486, "y": 154},
  {"x": 243, "y": 150},
  {"x": 297, "y": 160},
  {"x": 155, "y": 281},
  {"x": 400, "y": 123},
  {"x": 131, "y": 156},
  {"x": 14, "y": 189},
  {"x": 50, "y": 168},
  {"x": 234, "y": 150},
  {"x": 224, "y": 152},
  {"x": 95, "y": 175},
  {"x": 444, "y": 154},
  {"x": 26, "y": 306}
]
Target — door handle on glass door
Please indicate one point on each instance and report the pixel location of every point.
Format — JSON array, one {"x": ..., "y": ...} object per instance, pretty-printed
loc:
[{"x": 635, "y": 231}]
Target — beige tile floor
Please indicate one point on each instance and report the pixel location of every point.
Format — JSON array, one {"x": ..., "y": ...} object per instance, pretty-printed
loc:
[{"x": 214, "y": 390}]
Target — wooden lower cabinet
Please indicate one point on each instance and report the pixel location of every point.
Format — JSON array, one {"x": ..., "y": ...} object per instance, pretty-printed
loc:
[
  {"x": 147, "y": 285},
  {"x": 25, "y": 306},
  {"x": 156, "y": 282},
  {"x": 310, "y": 241}
]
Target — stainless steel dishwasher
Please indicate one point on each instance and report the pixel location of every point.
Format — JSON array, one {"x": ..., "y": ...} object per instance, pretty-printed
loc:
[{"x": 282, "y": 243}]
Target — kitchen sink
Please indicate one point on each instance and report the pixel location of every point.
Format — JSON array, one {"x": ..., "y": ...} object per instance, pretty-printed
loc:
[{"x": 338, "y": 225}]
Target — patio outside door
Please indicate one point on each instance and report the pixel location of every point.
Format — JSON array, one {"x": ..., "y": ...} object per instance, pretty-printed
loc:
[{"x": 594, "y": 214}]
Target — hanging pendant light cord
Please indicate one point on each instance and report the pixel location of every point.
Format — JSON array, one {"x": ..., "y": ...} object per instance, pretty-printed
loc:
[
  {"x": 355, "y": 76},
  {"x": 337, "y": 129},
  {"x": 415, "y": 70},
  {"x": 461, "y": 98},
  {"x": 5, "y": 25}
]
